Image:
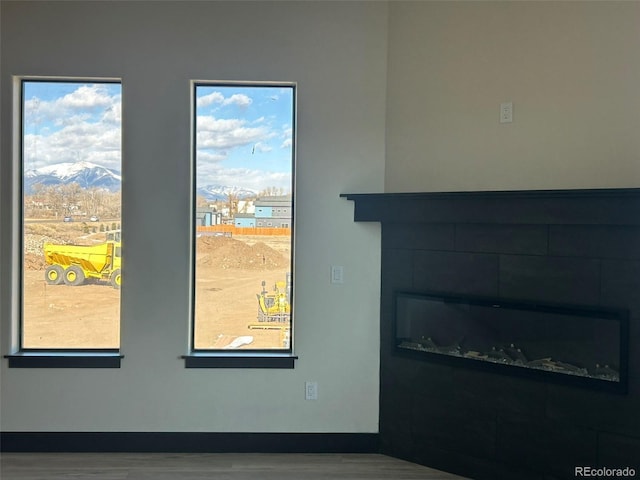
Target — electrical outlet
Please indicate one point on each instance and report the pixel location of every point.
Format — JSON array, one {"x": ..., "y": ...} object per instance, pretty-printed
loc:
[{"x": 311, "y": 390}]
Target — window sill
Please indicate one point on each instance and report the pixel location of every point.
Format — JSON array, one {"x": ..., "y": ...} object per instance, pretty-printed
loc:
[
  {"x": 239, "y": 360},
  {"x": 65, "y": 359}
]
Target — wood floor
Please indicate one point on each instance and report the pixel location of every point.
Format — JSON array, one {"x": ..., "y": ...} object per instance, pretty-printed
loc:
[{"x": 223, "y": 466}]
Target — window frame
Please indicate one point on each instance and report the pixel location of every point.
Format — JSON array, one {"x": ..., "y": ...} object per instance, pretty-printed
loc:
[
  {"x": 21, "y": 356},
  {"x": 249, "y": 358}
]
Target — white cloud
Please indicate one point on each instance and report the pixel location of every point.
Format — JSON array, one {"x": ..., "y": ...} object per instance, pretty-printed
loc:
[
  {"x": 81, "y": 125},
  {"x": 249, "y": 178},
  {"x": 261, "y": 147},
  {"x": 287, "y": 143},
  {"x": 287, "y": 136},
  {"x": 211, "y": 98},
  {"x": 238, "y": 99},
  {"x": 86, "y": 96},
  {"x": 81, "y": 141},
  {"x": 113, "y": 114},
  {"x": 83, "y": 102},
  {"x": 226, "y": 133},
  {"x": 206, "y": 158}
]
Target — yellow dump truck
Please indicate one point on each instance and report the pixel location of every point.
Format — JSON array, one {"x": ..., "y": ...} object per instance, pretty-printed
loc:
[{"x": 73, "y": 264}]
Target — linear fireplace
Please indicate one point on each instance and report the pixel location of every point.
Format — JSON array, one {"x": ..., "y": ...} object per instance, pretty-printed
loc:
[
  {"x": 573, "y": 344},
  {"x": 499, "y": 413}
]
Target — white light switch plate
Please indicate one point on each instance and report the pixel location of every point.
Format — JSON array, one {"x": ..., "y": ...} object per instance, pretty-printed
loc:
[
  {"x": 311, "y": 390},
  {"x": 337, "y": 274}
]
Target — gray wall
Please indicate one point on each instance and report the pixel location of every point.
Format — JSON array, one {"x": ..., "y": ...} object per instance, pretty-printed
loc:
[
  {"x": 337, "y": 54},
  {"x": 571, "y": 70}
]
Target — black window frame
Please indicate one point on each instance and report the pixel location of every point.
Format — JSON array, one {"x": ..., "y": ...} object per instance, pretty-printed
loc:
[
  {"x": 21, "y": 356},
  {"x": 249, "y": 358}
]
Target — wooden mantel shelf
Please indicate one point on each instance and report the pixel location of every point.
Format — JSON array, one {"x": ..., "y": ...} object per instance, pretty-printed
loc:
[{"x": 618, "y": 206}]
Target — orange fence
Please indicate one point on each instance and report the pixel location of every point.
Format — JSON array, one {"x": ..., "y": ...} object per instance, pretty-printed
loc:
[{"x": 245, "y": 230}]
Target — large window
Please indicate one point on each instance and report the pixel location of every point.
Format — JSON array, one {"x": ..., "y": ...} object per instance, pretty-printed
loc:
[
  {"x": 70, "y": 215},
  {"x": 243, "y": 216}
]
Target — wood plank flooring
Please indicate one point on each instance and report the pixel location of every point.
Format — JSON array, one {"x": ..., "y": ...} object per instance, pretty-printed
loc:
[{"x": 211, "y": 466}]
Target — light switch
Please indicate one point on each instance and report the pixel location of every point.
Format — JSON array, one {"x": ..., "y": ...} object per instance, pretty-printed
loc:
[{"x": 337, "y": 274}]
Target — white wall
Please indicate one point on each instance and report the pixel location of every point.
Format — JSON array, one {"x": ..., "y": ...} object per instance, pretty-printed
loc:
[
  {"x": 337, "y": 54},
  {"x": 571, "y": 69}
]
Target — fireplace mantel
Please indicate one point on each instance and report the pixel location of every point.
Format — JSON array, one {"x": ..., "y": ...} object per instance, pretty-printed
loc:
[{"x": 619, "y": 206}]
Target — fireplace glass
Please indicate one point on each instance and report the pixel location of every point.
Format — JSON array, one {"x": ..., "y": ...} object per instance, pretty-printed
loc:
[{"x": 573, "y": 344}]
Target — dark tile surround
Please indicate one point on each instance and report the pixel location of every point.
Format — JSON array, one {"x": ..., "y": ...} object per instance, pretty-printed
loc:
[{"x": 576, "y": 246}]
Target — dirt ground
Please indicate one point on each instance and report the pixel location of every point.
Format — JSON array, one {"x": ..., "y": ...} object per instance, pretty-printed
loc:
[{"x": 229, "y": 275}]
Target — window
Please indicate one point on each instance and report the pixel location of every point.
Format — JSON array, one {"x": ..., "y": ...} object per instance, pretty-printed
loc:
[
  {"x": 70, "y": 215},
  {"x": 244, "y": 169}
]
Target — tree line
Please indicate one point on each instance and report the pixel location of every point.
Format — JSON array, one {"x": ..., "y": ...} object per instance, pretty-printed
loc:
[{"x": 71, "y": 199}]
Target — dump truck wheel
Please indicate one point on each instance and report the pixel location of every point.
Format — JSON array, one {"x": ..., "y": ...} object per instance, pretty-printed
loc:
[
  {"x": 73, "y": 276},
  {"x": 53, "y": 274},
  {"x": 116, "y": 278}
]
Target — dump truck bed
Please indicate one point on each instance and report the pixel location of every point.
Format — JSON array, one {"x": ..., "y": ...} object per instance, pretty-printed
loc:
[{"x": 93, "y": 259}]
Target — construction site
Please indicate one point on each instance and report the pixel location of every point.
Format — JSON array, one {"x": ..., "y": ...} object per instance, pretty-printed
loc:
[{"x": 72, "y": 281}]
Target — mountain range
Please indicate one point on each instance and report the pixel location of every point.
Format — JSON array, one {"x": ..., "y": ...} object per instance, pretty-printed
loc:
[
  {"x": 222, "y": 192},
  {"x": 85, "y": 174},
  {"x": 91, "y": 175}
]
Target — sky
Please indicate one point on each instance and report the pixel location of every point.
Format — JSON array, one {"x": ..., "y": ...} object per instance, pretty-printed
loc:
[
  {"x": 71, "y": 122},
  {"x": 243, "y": 138}
]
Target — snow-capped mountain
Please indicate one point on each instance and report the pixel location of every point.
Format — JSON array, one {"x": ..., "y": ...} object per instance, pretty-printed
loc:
[
  {"x": 221, "y": 192},
  {"x": 88, "y": 175},
  {"x": 85, "y": 174}
]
